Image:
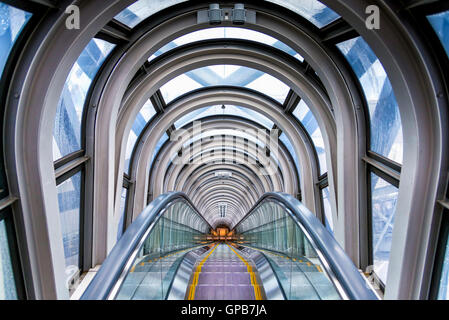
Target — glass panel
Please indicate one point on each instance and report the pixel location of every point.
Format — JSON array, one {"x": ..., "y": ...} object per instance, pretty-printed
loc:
[
  {"x": 443, "y": 291},
  {"x": 227, "y": 110},
  {"x": 227, "y": 33},
  {"x": 292, "y": 256},
  {"x": 385, "y": 121},
  {"x": 12, "y": 21},
  {"x": 328, "y": 221},
  {"x": 69, "y": 198},
  {"x": 122, "y": 213},
  {"x": 308, "y": 120},
  {"x": 146, "y": 114},
  {"x": 142, "y": 9},
  {"x": 283, "y": 137},
  {"x": 440, "y": 23},
  {"x": 229, "y": 75},
  {"x": 8, "y": 290},
  {"x": 383, "y": 207},
  {"x": 312, "y": 10},
  {"x": 67, "y": 130},
  {"x": 179, "y": 230}
]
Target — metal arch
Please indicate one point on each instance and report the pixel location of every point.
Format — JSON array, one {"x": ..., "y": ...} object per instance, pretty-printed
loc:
[
  {"x": 271, "y": 25},
  {"x": 198, "y": 100},
  {"x": 426, "y": 167},
  {"x": 247, "y": 149},
  {"x": 217, "y": 143},
  {"x": 189, "y": 175},
  {"x": 235, "y": 175},
  {"x": 181, "y": 181},
  {"x": 214, "y": 199},
  {"x": 202, "y": 183},
  {"x": 211, "y": 184},
  {"x": 234, "y": 52},
  {"x": 423, "y": 109},
  {"x": 246, "y": 205}
]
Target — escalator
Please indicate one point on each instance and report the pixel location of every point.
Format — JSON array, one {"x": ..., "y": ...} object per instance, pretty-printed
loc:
[{"x": 279, "y": 251}]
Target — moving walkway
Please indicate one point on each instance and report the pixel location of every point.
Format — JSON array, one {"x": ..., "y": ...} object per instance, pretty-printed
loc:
[{"x": 279, "y": 251}]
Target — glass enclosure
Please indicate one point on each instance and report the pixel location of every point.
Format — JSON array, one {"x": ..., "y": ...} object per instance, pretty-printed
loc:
[
  {"x": 440, "y": 23},
  {"x": 8, "y": 290},
  {"x": 67, "y": 129},
  {"x": 12, "y": 21},
  {"x": 385, "y": 120},
  {"x": 225, "y": 75},
  {"x": 383, "y": 206},
  {"x": 328, "y": 221},
  {"x": 291, "y": 254},
  {"x": 69, "y": 199},
  {"x": 145, "y": 114},
  {"x": 227, "y": 33},
  {"x": 443, "y": 292},
  {"x": 121, "y": 223},
  {"x": 305, "y": 116},
  {"x": 313, "y": 10},
  {"x": 176, "y": 232},
  {"x": 142, "y": 9}
]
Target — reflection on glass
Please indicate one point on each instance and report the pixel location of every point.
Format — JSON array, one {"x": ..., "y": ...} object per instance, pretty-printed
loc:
[
  {"x": 12, "y": 21},
  {"x": 229, "y": 75},
  {"x": 67, "y": 130},
  {"x": 146, "y": 114},
  {"x": 122, "y": 213},
  {"x": 383, "y": 206},
  {"x": 227, "y": 110},
  {"x": 227, "y": 33},
  {"x": 385, "y": 121},
  {"x": 328, "y": 221},
  {"x": 308, "y": 120},
  {"x": 142, "y": 9},
  {"x": 312, "y": 10},
  {"x": 8, "y": 289},
  {"x": 440, "y": 23},
  {"x": 296, "y": 263},
  {"x": 179, "y": 229},
  {"x": 443, "y": 291},
  {"x": 69, "y": 199}
]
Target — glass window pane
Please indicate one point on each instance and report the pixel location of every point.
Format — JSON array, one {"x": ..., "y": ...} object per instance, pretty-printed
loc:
[
  {"x": 67, "y": 130},
  {"x": 440, "y": 23},
  {"x": 146, "y": 114},
  {"x": 69, "y": 198},
  {"x": 8, "y": 290},
  {"x": 12, "y": 21},
  {"x": 142, "y": 9},
  {"x": 225, "y": 75},
  {"x": 227, "y": 33},
  {"x": 308, "y": 120},
  {"x": 443, "y": 291},
  {"x": 385, "y": 121},
  {"x": 328, "y": 221},
  {"x": 122, "y": 213},
  {"x": 312, "y": 10},
  {"x": 383, "y": 206}
]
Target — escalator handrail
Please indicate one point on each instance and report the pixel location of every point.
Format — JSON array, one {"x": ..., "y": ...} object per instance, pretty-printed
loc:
[
  {"x": 112, "y": 268},
  {"x": 353, "y": 283}
]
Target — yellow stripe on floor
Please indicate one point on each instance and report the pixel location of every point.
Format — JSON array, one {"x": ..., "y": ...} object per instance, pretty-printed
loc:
[{"x": 192, "y": 288}]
